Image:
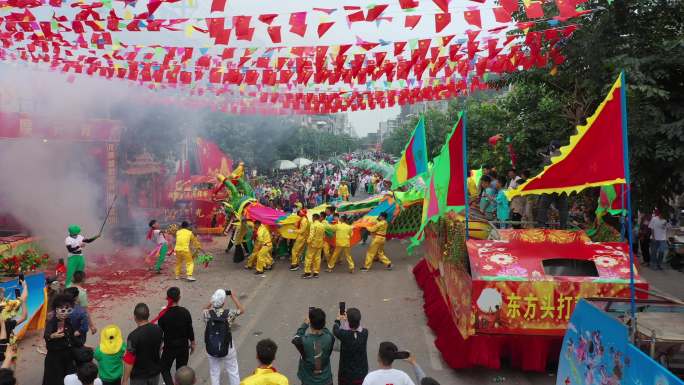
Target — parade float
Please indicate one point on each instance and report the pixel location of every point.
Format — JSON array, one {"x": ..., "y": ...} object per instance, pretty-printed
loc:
[{"x": 510, "y": 297}]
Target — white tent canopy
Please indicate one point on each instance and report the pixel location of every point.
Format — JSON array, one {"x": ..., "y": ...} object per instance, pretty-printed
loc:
[
  {"x": 301, "y": 162},
  {"x": 284, "y": 164}
]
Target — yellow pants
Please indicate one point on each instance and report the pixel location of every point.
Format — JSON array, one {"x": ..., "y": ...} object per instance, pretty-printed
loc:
[
  {"x": 326, "y": 251},
  {"x": 313, "y": 257},
  {"x": 346, "y": 250},
  {"x": 252, "y": 260},
  {"x": 297, "y": 248},
  {"x": 376, "y": 249},
  {"x": 263, "y": 258},
  {"x": 184, "y": 257}
]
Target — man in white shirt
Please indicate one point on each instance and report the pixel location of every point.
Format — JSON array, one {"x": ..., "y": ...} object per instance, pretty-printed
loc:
[
  {"x": 513, "y": 180},
  {"x": 387, "y": 353},
  {"x": 86, "y": 374},
  {"x": 659, "y": 227}
]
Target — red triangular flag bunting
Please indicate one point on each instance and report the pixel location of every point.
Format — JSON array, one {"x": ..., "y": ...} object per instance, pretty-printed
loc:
[
  {"x": 408, "y": 4},
  {"x": 411, "y": 21},
  {"x": 473, "y": 18},
  {"x": 441, "y": 21},
  {"x": 218, "y": 5},
  {"x": 443, "y": 5},
  {"x": 510, "y": 5},
  {"x": 274, "y": 33},
  {"x": 534, "y": 10},
  {"x": 501, "y": 15},
  {"x": 376, "y": 11},
  {"x": 324, "y": 27},
  {"x": 267, "y": 18}
]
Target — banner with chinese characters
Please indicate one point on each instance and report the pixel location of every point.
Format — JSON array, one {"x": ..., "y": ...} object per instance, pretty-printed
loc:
[{"x": 533, "y": 307}]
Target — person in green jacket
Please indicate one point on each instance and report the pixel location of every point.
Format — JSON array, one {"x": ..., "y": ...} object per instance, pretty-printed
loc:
[
  {"x": 109, "y": 355},
  {"x": 315, "y": 347}
]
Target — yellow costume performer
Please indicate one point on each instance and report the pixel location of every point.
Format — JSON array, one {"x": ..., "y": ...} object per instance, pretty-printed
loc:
[
  {"x": 184, "y": 240},
  {"x": 343, "y": 233},
  {"x": 377, "y": 246},
  {"x": 300, "y": 241},
  {"x": 343, "y": 191},
  {"x": 262, "y": 250},
  {"x": 314, "y": 247}
]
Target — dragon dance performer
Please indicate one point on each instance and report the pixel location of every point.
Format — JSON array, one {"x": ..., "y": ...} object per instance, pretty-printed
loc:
[
  {"x": 329, "y": 219},
  {"x": 74, "y": 244},
  {"x": 314, "y": 248},
  {"x": 377, "y": 246},
  {"x": 343, "y": 232},
  {"x": 343, "y": 191},
  {"x": 299, "y": 243},
  {"x": 185, "y": 241},
  {"x": 162, "y": 245},
  {"x": 261, "y": 257},
  {"x": 240, "y": 236}
]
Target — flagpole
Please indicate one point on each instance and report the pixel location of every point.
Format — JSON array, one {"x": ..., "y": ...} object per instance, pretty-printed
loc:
[
  {"x": 625, "y": 150},
  {"x": 465, "y": 170}
]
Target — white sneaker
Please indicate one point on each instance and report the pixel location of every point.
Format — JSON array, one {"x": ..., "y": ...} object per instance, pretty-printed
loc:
[{"x": 191, "y": 279}]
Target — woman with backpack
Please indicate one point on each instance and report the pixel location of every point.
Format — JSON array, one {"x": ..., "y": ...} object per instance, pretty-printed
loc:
[{"x": 218, "y": 338}]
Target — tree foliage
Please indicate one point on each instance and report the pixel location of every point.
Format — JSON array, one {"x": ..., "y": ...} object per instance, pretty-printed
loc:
[
  {"x": 257, "y": 140},
  {"x": 260, "y": 141},
  {"x": 645, "y": 38}
]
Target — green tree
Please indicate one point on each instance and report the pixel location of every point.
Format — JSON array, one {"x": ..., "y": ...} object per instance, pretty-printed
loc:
[{"x": 645, "y": 38}]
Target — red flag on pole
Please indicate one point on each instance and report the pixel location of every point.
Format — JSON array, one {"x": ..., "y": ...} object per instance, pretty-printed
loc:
[{"x": 594, "y": 156}]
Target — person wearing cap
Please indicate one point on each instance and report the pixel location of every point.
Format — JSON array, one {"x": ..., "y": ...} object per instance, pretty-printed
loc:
[
  {"x": 377, "y": 246},
  {"x": 229, "y": 362},
  {"x": 184, "y": 239},
  {"x": 74, "y": 244},
  {"x": 109, "y": 355},
  {"x": 302, "y": 235},
  {"x": 387, "y": 353}
]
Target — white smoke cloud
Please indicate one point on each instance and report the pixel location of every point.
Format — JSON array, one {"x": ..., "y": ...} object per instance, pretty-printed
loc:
[{"x": 48, "y": 185}]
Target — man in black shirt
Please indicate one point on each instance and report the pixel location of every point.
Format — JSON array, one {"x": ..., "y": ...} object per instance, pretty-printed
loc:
[
  {"x": 176, "y": 323},
  {"x": 353, "y": 353},
  {"x": 141, "y": 361}
]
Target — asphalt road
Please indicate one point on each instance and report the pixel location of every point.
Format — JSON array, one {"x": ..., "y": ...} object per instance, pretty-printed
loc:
[{"x": 390, "y": 302}]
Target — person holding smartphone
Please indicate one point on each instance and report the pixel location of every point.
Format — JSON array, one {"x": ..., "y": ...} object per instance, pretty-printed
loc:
[
  {"x": 316, "y": 344},
  {"x": 353, "y": 366},
  {"x": 387, "y": 353}
]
